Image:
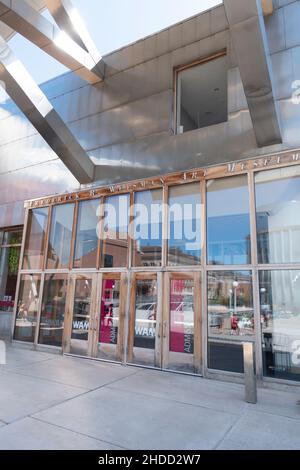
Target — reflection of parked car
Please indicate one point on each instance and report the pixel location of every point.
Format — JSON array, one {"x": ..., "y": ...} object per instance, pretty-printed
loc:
[
  {"x": 182, "y": 317},
  {"x": 145, "y": 318}
]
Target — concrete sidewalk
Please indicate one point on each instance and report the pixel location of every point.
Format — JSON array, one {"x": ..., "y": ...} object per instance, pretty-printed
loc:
[{"x": 53, "y": 402}]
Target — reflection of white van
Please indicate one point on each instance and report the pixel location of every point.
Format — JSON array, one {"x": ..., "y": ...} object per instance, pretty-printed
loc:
[
  {"x": 145, "y": 319},
  {"x": 182, "y": 317}
]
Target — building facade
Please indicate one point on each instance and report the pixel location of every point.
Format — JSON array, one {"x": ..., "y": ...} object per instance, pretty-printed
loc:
[{"x": 186, "y": 243}]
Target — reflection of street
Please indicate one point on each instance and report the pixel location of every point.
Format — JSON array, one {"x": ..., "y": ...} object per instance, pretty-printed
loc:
[{"x": 229, "y": 323}]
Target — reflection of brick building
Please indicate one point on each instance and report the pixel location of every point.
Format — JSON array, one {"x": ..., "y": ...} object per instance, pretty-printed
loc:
[
  {"x": 148, "y": 256},
  {"x": 115, "y": 253},
  {"x": 151, "y": 256}
]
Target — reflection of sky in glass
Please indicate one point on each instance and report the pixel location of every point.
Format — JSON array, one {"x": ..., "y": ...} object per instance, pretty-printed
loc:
[
  {"x": 228, "y": 221},
  {"x": 273, "y": 194},
  {"x": 278, "y": 215},
  {"x": 116, "y": 214},
  {"x": 86, "y": 234},
  {"x": 184, "y": 219},
  {"x": 37, "y": 224},
  {"x": 148, "y": 218},
  {"x": 60, "y": 235}
]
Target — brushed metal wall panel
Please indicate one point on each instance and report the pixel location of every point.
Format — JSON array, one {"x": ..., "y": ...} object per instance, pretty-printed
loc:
[
  {"x": 15, "y": 127},
  {"x": 296, "y": 62},
  {"x": 25, "y": 153},
  {"x": 135, "y": 120},
  {"x": 283, "y": 74},
  {"x": 291, "y": 24},
  {"x": 236, "y": 95},
  {"x": 12, "y": 214},
  {"x": 275, "y": 29},
  {"x": 126, "y": 122},
  {"x": 35, "y": 181},
  {"x": 290, "y": 118},
  {"x": 165, "y": 153}
]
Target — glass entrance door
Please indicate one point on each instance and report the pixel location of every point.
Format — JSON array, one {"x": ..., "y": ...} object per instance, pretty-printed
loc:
[
  {"x": 165, "y": 322},
  {"x": 110, "y": 320},
  {"x": 182, "y": 323},
  {"x": 145, "y": 322},
  {"x": 79, "y": 319}
]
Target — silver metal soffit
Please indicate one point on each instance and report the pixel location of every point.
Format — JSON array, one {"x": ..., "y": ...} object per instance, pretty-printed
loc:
[
  {"x": 22, "y": 18},
  {"x": 40, "y": 112},
  {"x": 247, "y": 28}
]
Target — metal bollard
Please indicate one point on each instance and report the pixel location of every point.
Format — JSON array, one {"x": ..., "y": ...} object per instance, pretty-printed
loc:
[{"x": 249, "y": 371}]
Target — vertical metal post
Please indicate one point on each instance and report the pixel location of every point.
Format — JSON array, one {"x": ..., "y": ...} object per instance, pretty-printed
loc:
[{"x": 249, "y": 371}]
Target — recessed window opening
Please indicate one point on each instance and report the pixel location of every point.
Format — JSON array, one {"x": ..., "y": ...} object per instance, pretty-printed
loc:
[{"x": 202, "y": 95}]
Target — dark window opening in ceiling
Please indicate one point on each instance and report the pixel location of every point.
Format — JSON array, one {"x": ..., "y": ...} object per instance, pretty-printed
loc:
[{"x": 202, "y": 95}]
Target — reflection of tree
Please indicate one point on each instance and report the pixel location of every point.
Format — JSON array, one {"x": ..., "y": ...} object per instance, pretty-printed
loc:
[
  {"x": 220, "y": 285},
  {"x": 13, "y": 258}
]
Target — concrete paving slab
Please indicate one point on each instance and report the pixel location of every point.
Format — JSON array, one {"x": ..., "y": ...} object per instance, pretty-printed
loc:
[
  {"x": 138, "y": 421},
  {"x": 58, "y": 402},
  {"x": 227, "y": 397},
  {"x": 263, "y": 431},
  {"x": 17, "y": 356},
  {"x": 21, "y": 396},
  {"x": 77, "y": 372},
  {"x": 31, "y": 434},
  {"x": 279, "y": 403}
]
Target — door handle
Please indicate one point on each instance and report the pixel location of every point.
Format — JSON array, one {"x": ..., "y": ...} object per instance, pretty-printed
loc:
[
  {"x": 159, "y": 330},
  {"x": 164, "y": 329}
]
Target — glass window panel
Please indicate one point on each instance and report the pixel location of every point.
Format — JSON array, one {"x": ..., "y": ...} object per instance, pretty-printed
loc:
[
  {"x": 230, "y": 318},
  {"x": 27, "y": 308},
  {"x": 278, "y": 215},
  {"x": 280, "y": 320},
  {"x": 35, "y": 238},
  {"x": 145, "y": 322},
  {"x": 53, "y": 309},
  {"x": 86, "y": 243},
  {"x": 115, "y": 236},
  {"x": 109, "y": 319},
  {"x": 60, "y": 236},
  {"x": 228, "y": 221},
  {"x": 148, "y": 228},
  {"x": 81, "y": 316},
  {"x": 184, "y": 246}
]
